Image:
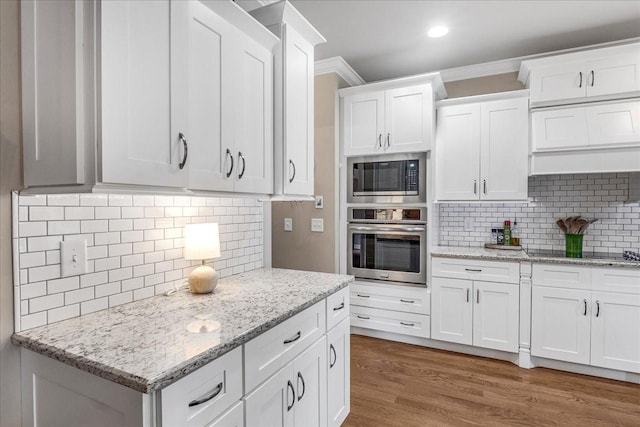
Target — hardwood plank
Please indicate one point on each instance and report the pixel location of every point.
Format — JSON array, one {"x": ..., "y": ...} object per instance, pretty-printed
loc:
[{"x": 396, "y": 384}]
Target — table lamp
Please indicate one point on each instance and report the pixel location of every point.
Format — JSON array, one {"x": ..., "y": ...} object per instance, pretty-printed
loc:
[{"x": 201, "y": 242}]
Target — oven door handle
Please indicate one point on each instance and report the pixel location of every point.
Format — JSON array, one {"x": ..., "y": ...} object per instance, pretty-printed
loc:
[{"x": 364, "y": 228}]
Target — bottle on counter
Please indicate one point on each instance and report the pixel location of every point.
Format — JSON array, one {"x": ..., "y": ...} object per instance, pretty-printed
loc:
[
  {"x": 500, "y": 236},
  {"x": 494, "y": 236},
  {"x": 515, "y": 234},
  {"x": 507, "y": 233}
]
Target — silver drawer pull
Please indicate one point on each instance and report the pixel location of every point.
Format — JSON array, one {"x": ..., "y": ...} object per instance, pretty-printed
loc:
[
  {"x": 407, "y": 324},
  {"x": 473, "y": 270},
  {"x": 408, "y": 301},
  {"x": 363, "y": 317},
  {"x": 216, "y": 391},
  {"x": 340, "y": 307},
  {"x": 296, "y": 337},
  {"x": 363, "y": 296}
]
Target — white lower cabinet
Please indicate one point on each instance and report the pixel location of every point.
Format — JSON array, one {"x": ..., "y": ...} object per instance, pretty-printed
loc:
[
  {"x": 391, "y": 308},
  {"x": 234, "y": 417},
  {"x": 295, "y": 395},
  {"x": 588, "y": 321},
  {"x": 475, "y": 312},
  {"x": 339, "y": 374}
]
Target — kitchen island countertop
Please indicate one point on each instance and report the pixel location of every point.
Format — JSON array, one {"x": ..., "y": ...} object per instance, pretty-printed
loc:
[
  {"x": 145, "y": 345},
  {"x": 549, "y": 257}
]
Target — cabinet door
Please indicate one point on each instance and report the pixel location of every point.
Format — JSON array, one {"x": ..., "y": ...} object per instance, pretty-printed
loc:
[
  {"x": 451, "y": 310},
  {"x": 339, "y": 375},
  {"x": 253, "y": 117},
  {"x": 143, "y": 98},
  {"x": 504, "y": 150},
  {"x": 613, "y": 124},
  {"x": 211, "y": 98},
  {"x": 564, "y": 128},
  {"x": 615, "y": 340},
  {"x": 560, "y": 326},
  {"x": 271, "y": 404},
  {"x": 298, "y": 116},
  {"x": 408, "y": 119},
  {"x": 559, "y": 81},
  {"x": 363, "y": 122},
  {"x": 458, "y": 152},
  {"x": 310, "y": 376},
  {"x": 496, "y": 316},
  {"x": 614, "y": 75},
  {"x": 234, "y": 417}
]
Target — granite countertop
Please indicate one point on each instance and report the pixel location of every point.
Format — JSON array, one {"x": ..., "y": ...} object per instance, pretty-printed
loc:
[
  {"x": 550, "y": 257},
  {"x": 145, "y": 345}
]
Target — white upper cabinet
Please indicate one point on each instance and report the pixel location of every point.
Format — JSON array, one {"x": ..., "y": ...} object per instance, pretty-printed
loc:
[
  {"x": 482, "y": 149},
  {"x": 143, "y": 94},
  {"x": 396, "y": 120},
  {"x": 608, "y": 73},
  {"x": 181, "y": 90},
  {"x": 293, "y": 97}
]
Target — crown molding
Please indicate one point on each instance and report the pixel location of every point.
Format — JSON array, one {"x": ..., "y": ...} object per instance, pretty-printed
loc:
[{"x": 338, "y": 65}]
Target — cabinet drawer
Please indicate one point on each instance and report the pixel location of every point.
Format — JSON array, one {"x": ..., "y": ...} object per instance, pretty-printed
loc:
[
  {"x": 268, "y": 352},
  {"x": 337, "y": 307},
  {"x": 469, "y": 269},
  {"x": 234, "y": 417},
  {"x": 407, "y": 299},
  {"x": 616, "y": 280},
  {"x": 218, "y": 385},
  {"x": 561, "y": 276},
  {"x": 391, "y": 321}
]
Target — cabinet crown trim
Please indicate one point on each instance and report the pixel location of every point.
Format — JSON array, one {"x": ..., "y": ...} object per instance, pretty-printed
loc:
[
  {"x": 523, "y": 93},
  {"x": 434, "y": 79},
  {"x": 284, "y": 12}
]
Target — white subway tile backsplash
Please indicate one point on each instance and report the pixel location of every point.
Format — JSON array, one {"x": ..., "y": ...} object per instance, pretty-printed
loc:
[{"x": 134, "y": 248}]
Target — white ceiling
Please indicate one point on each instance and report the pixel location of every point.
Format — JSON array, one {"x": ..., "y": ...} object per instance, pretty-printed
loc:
[{"x": 384, "y": 39}]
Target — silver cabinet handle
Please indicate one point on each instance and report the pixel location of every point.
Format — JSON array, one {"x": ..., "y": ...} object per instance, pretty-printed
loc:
[
  {"x": 467, "y": 294},
  {"x": 240, "y": 156},
  {"x": 231, "y": 168},
  {"x": 580, "y": 84},
  {"x": 301, "y": 378},
  {"x": 340, "y": 307},
  {"x": 186, "y": 150},
  {"x": 216, "y": 391},
  {"x": 363, "y": 296},
  {"x": 293, "y": 393},
  {"x": 294, "y": 171},
  {"x": 597, "y": 308},
  {"x": 388, "y": 140},
  {"x": 585, "y": 308},
  {"x": 362, "y": 317},
  {"x": 477, "y": 296},
  {"x": 409, "y": 301},
  {"x": 593, "y": 78},
  {"x": 474, "y": 270},
  {"x": 296, "y": 337},
  {"x": 484, "y": 186},
  {"x": 379, "y": 140},
  {"x": 407, "y": 324},
  {"x": 475, "y": 187},
  {"x": 332, "y": 349}
]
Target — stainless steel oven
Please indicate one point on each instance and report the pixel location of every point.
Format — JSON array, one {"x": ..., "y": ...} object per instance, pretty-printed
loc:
[
  {"x": 388, "y": 244},
  {"x": 391, "y": 178}
]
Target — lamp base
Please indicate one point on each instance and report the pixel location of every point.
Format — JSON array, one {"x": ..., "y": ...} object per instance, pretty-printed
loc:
[{"x": 203, "y": 280}]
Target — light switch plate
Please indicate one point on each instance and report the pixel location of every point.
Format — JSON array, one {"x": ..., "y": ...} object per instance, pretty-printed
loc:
[
  {"x": 319, "y": 202},
  {"x": 288, "y": 224},
  {"x": 317, "y": 225},
  {"x": 73, "y": 257}
]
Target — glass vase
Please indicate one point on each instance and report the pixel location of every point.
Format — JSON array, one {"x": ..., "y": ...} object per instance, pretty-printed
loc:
[{"x": 573, "y": 245}]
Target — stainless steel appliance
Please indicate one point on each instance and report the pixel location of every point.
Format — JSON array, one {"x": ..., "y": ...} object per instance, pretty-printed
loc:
[
  {"x": 391, "y": 178},
  {"x": 388, "y": 244}
]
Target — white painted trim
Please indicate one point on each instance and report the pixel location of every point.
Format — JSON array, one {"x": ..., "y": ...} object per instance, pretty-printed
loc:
[
  {"x": 338, "y": 65},
  {"x": 266, "y": 234},
  {"x": 524, "y": 93},
  {"x": 511, "y": 65},
  {"x": 434, "y": 79},
  {"x": 15, "y": 249},
  {"x": 585, "y": 369}
]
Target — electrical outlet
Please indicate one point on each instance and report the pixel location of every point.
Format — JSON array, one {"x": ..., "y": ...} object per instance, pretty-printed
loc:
[
  {"x": 73, "y": 257},
  {"x": 317, "y": 225},
  {"x": 288, "y": 224},
  {"x": 468, "y": 224}
]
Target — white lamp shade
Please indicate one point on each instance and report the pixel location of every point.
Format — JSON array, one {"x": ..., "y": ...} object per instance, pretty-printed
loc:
[{"x": 201, "y": 241}]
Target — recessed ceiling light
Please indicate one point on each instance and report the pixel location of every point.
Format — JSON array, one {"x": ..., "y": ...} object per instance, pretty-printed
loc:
[{"x": 437, "y": 31}]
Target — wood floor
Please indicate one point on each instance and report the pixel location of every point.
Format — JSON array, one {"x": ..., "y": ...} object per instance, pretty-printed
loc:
[{"x": 395, "y": 384}]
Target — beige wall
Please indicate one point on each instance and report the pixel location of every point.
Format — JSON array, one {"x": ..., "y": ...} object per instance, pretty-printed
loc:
[
  {"x": 483, "y": 85},
  {"x": 10, "y": 179},
  {"x": 303, "y": 249}
]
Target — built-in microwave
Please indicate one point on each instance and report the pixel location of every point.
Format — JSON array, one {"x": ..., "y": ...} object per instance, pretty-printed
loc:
[
  {"x": 391, "y": 178},
  {"x": 388, "y": 244}
]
